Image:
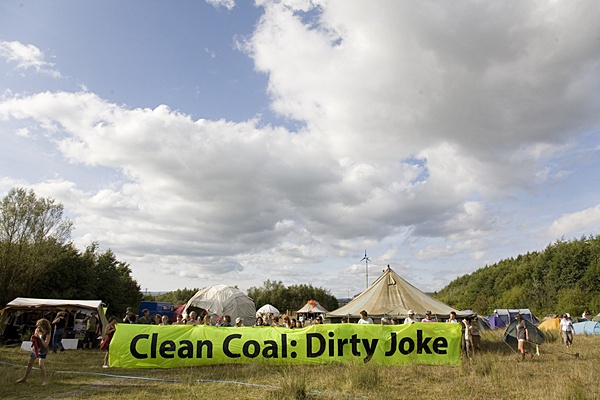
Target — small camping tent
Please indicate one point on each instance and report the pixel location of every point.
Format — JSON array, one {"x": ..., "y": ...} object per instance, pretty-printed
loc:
[
  {"x": 496, "y": 322},
  {"x": 266, "y": 310},
  {"x": 482, "y": 322},
  {"x": 551, "y": 324},
  {"x": 536, "y": 336},
  {"x": 312, "y": 307},
  {"x": 587, "y": 328},
  {"x": 507, "y": 315},
  {"x": 220, "y": 300}
]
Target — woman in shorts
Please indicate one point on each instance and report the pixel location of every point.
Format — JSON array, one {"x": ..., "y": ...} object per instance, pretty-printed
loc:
[
  {"x": 40, "y": 341},
  {"x": 522, "y": 334}
]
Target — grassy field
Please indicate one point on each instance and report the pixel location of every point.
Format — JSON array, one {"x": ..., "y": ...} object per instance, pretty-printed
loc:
[{"x": 494, "y": 373}]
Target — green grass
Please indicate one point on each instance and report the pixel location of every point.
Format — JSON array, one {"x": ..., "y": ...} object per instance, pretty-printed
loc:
[{"x": 494, "y": 373}]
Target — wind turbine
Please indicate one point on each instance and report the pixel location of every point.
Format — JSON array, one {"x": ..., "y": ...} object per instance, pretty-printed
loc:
[{"x": 367, "y": 260}]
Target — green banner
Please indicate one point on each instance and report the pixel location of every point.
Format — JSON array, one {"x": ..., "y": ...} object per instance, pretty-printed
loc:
[{"x": 150, "y": 346}]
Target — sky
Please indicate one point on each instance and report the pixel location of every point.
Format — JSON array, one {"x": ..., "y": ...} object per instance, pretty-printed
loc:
[{"x": 234, "y": 142}]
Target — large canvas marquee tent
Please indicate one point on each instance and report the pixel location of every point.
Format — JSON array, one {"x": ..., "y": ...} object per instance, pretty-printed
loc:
[{"x": 391, "y": 296}]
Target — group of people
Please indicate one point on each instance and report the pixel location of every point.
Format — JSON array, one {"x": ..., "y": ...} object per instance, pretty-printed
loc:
[
  {"x": 471, "y": 336},
  {"x": 471, "y": 332},
  {"x": 287, "y": 321}
]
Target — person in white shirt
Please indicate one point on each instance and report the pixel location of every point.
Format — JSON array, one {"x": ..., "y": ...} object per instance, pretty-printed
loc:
[
  {"x": 364, "y": 318},
  {"x": 566, "y": 330},
  {"x": 411, "y": 317},
  {"x": 452, "y": 318}
]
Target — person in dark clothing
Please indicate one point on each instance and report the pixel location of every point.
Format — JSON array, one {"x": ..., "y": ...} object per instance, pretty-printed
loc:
[
  {"x": 522, "y": 335},
  {"x": 60, "y": 323}
]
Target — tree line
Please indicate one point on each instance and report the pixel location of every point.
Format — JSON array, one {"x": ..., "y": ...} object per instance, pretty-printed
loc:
[
  {"x": 564, "y": 277},
  {"x": 292, "y": 297},
  {"x": 37, "y": 258}
]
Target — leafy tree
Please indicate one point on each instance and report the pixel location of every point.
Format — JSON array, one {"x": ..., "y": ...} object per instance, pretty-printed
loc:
[
  {"x": 177, "y": 297},
  {"x": 69, "y": 277},
  {"x": 37, "y": 261},
  {"x": 32, "y": 232},
  {"x": 112, "y": 281}
]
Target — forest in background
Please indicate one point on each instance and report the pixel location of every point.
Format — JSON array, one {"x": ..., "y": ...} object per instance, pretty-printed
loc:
[{"x": 564, "y": 277}]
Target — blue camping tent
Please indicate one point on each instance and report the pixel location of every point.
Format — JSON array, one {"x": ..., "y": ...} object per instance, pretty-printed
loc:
[
  {"x": 507, "y": 315},
  {"x": 495, "y": 322},
  {"x": 587, "y": 328}
]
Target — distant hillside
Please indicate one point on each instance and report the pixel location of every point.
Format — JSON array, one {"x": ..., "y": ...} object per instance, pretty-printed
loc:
[{"x": 565, "y": 277}]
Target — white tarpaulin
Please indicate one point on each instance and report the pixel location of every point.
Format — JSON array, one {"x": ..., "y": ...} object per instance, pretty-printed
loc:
[{"x": 220, "y": 300}]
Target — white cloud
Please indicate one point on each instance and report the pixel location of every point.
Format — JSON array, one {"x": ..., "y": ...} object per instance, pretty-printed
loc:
[
  {"x": 26, "y": 57},
  {"x": 422, "y": 125},
  {"x": 22, "y": 132},
  {"x": 228, "y": 4},
  {"x": 581, "y": 221}
]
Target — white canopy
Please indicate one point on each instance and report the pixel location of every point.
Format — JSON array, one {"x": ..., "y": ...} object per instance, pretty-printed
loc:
[{"x": 25, "y": 303}]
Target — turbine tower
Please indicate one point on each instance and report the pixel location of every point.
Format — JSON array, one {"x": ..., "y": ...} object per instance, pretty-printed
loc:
[{"x": 366, "y": 260}]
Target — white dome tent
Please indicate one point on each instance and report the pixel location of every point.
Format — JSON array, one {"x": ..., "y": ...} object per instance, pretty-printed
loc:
[
  {"x": 220, "y": 300},
  {"x": 266, "y": 310}
]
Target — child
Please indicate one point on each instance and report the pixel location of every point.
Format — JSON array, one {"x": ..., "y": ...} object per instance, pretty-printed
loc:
[
  {"x": 110, "y": 330},
  {"x": 40, "y": 343}
]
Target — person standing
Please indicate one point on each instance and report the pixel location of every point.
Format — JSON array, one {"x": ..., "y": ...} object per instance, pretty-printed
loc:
[
  {"x": 411, "y": 317},
  {"x": 475, "y": 334},
  {"x": 129, "y": 317},
  {"x": 467, "y": 338},
  {"x": 92, "y": 330},
  {"x": 40, "y": 342},
  {"x": 109, "y": 332},
  {"x": 60, "y": 323},
  {"x": 428, "y": 317},
  {"x": 566, "y": 330},
  {"x": 452, "y": 318},
  {"x": 145, "y": 318},
  {"x": 522, "y": 334},
  {"x": 364, "y": 318}
]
